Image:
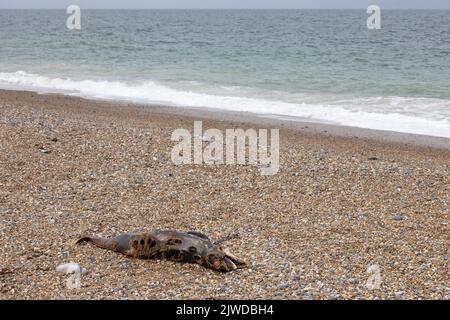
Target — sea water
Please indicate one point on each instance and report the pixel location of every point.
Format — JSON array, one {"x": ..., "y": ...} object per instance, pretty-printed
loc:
[{"x": 311, "y": 65}]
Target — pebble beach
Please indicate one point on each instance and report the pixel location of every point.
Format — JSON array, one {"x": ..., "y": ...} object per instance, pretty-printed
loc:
[{"x": 340, "y": 210}]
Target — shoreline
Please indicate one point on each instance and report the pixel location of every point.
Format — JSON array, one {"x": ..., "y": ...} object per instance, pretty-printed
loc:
[
  {"x": 339, "y": 206},
  {"x": 285, "y": 122}
]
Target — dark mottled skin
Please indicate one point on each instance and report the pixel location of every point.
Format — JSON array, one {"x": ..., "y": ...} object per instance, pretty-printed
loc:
[{"x": 190, "y": 247}]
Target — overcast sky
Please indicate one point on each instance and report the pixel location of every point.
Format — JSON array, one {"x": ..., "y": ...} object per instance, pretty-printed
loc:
[{"x": 256, "y": 4}]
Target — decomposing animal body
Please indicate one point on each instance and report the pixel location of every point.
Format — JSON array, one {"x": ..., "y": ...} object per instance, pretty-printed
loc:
[{"x": 189, "y": 247}]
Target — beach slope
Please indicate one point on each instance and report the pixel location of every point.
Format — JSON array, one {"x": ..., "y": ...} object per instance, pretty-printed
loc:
[{"x": 342, "y": 210}]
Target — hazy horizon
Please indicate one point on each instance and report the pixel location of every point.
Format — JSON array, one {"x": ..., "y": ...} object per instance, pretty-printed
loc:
[
  {"x": 255, "y": 9},
  {"x": 228, "y": 4}
]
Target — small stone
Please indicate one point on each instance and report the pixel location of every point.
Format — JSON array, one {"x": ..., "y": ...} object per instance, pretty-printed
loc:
[
  {"x": 425, "y": 266},
  {"x": 69, "y": 268},
  {"x": 283, "y": 286},
  {"x": 399, "y": 294},
  {"x": 398, "y": 218},
  {"x": 125, "y": 265}
]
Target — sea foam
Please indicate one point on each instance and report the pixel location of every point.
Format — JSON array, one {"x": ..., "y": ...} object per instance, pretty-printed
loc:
[{"x": 423, "y": 116}]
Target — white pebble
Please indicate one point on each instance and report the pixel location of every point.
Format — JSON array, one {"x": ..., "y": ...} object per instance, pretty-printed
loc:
[
  {"x": 399, "y": 294},
  {"x": 69, "y": 268}
]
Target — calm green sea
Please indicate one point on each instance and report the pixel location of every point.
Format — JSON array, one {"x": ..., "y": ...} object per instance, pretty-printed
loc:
[{"x": 317, "y": 65}]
